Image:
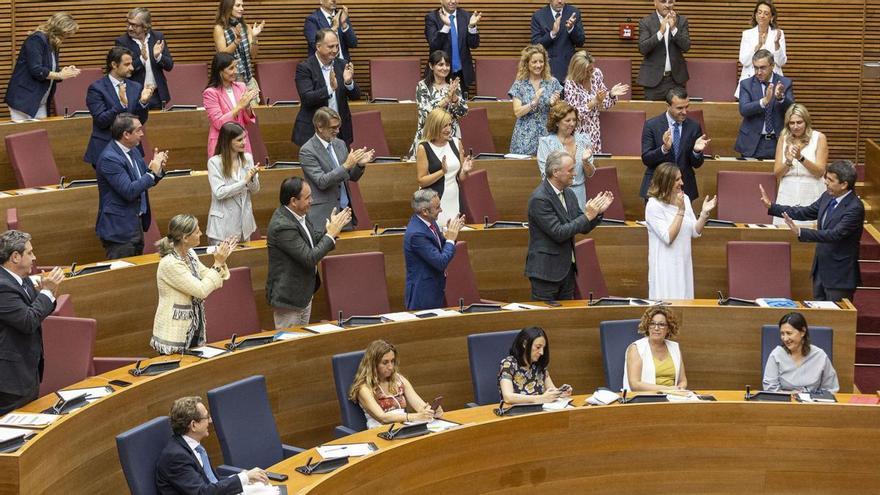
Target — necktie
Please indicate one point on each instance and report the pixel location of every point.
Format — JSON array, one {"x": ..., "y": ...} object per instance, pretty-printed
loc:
[
  {"x": 122, "y": 96},
  {"x": 828, "y": 212},
  {"x": 557, "y": 16},
  {"x": 144, "y": 49},
  {"x": 453, "y": 33},
  {"x": 343, "y": 194},
  {"x": 768, "y": 111},
  {"x": 676, "y": 140},
  {"x": 137, "y": 175},
  {"x": 206, "y": 464},
  {"x": 24, "y": 286},
  {"x": 436, "y": 234}
]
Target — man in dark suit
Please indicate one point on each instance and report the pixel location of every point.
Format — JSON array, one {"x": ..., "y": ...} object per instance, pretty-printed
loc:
[
  {"x": 554, "y": 219},
  {"x": 454, "y": 31},
  {"x": 22, "y": 311},
  {"x": 674, "y": 138},
  {"x": 839, "y": 216},
  {"x": 337, "y": 20},
  {"x": 328, "y": 167},
  {"x": 664, "y": 37},
  {"x": 150, "y": 55},
  {"x": 558, "y": 27},
  {"x": 323, "y": 80},
  {"x": 184, "y": 466},
  {"x": 763, "y": 101},
  {"x": 427, "y": 252},
  {"x": 123, "y": 181},
  {"x": 111, "y": 95},
  {"x": 295, "y": 246}
]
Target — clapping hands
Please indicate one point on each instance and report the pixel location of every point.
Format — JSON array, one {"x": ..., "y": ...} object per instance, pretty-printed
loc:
[
  {"x": 337, "y": 221},
  {"x": 598, "y": 204},
  {"x": 708, "y": 205},
  {"x": 700, "y": 143}
]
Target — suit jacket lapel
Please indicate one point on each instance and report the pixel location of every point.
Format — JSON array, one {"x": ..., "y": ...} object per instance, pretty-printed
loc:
[
  {"x": 21, "y": 290},
  {"x": 125, "y": 164},
  {"x": 554, "y": 200}
]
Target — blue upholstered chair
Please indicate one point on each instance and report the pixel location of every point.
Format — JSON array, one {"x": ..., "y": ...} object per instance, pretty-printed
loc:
[
  {"x": 344, "y": 368},
  {"x": 485, "y": 352},
  {"x": 245, "y": 426},
  {"x": 139, "y": 450},
  {"x": 822, "y": 337},
  {"x": 615, "y": 336}
]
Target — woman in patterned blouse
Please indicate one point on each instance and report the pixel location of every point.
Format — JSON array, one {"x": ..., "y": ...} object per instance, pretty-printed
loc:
[
  {"x": 585, "y": 90},
  {"x": 437, "y": 91},
  {"x": 524, "y": 378},
  {"x": 533, "y": 93}
]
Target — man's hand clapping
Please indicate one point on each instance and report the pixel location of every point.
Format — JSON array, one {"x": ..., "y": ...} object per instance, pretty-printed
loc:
[
  {"x": 337, "y": 221},
  {"x": 453, "y": 227},
  {"x": 51, "y": 280},
  {"x": 598, "y": 204},
  {"x": 157, "y": 164}
]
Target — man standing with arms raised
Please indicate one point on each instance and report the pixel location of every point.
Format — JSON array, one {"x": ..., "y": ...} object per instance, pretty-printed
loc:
[
  {"x": 454, "y": 31},
  {"x": 664, "y": 37},
  {"x": 559, "y": 29}
]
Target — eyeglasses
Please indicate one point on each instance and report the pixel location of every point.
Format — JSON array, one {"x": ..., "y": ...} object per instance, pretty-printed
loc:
[
  {"x": 199, "y": 420},
  {"x": 656, "y": 324}
]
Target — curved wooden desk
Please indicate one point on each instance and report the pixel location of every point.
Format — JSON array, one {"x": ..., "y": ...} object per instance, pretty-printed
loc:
[
  {"x": 706, "y": 447},
  {"x": 77, "y": 454}
]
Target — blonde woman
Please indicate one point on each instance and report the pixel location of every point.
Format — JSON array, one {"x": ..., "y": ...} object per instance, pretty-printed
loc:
[
  {"x": 383, "y": 393},
  {"x": 585, "y": 90},
  {"x": 801, "y": 159},
  {"x": 441, "y": 165},
  {"x": 533, "y": 93},
  {"x": 37, "y": 70},
  {"x": 184, "y": 283}
]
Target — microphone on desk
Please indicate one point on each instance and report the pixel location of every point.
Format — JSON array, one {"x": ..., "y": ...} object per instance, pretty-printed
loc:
[
  {"x": 460, "y": 304},
  {"x": 501, "y": 410},
  {"x": 162, "y": 105},
  {"x": 66, "y": 114},
  {"x": 748, "y": 392},
  {"x": 591, "y": 299},
  {"x": 486, "y": 221},
  {"x": 340, "y": 318},
  {"x": 375, "y": 229},
  {"x": 623, "y": 396}
]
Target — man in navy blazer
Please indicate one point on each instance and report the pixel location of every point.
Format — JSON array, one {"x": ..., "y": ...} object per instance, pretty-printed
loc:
[
  {"x": 23, "y": 308},
  {"x": 763, "y": 101},
  {"x": 323, "y": 80},
  {"x": 839, "y": 216},
  {"x": 146, "y": 46},
  {"x": 674, "y": 138},
  {"x": 184, "y": 466},
  {"x": 329, "y": 17},
  {"x": 441, "y": 24},
  {"x": 112, "y": 95},
  {"x": 427, "y": 252},
  {"x": 123, "y": 181},
  {"x": 558, "y": 27}
]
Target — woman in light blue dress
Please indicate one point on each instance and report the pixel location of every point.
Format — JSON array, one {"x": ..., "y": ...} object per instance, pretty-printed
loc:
[
  {"x": 561, "y": 123},
  {"x": 533, "y": 93}
]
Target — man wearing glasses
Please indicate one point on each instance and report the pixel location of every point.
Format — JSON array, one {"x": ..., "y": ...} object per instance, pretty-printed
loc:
[
  {"x": 663, "y": 40},
  {"x": 151, "y": 56}
]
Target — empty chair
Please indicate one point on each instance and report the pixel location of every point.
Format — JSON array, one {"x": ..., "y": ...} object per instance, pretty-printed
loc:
[
  {"x": 31, "y": 157},
  {"x": 475, "y": 132},
  {"x": 67, "y": 347},
  {"x": 616, "y": 70},
  {"x": 485, "y": 352},
  {"x": 71, "y": 94},
  {"x": 698, "y": 116},
  {"x": 495, "y": 76},
  {"x": 355, "y": 284},
  {"x": 589, "y": 280},
  {"x": 359, "y": 207},
  {"x": 394, "y": 78},
  {"x": 186, "y": 83},
  {"x": 344, "y": 368},
  {"x": 276, "y": 78},
  {"x": 12, "y": 219},
  {"x": 710, "y": 79},
  {"x": 758, "y": 269},
  {"x": 867, "y": 303},
  {"x": 605, "y": 179},
  {"x": 139, "y": 449},
  {"x": 614, "y": 337},
  {"x": 461, "y": 284},
  {"x": 479, "y": 205},
  {"x": 245, "y": 426},
  {"x": 151, "y": 237},
  {"x": 822, "y": 337},
  {"x": 737, "y": 192},
  {"x": 258, "y": 146},
  {"x": 232, "y": 308},
  {"x": 369, "y": 132},
  {"x": 622, "y": 131}
]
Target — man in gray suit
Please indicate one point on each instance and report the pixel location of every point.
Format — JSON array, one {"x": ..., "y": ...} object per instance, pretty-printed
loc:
[
  {"x": 554, "y": 219},
  {"x": 663, "y": 39},
  {"x": 328, "y": 166},
  {"x": 295, "y": 247}
]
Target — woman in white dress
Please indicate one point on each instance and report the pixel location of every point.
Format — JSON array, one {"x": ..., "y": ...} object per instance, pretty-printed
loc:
[
  {"x": 764, "y": 34},
  {"x": 671, "y": 225},
  {"x": 801, "y": 158},
  {"x": 440, "y": 164}
]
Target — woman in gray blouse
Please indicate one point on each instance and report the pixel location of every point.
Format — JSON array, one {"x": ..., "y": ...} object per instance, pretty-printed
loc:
[{"x": 796, "y": 365}]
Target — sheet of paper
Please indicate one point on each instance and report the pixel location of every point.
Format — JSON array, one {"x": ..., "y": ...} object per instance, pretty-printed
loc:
[
  {"x": 92, "y": 393},
  {"x": 441, "y": 425},
  {"x": 400, "y": 316},
  {"x": 439, "y": 312},
  {"x": 521, "y": 307},
  {"x": 324, "y": 328},
  {"x": 517, "y": 156},
  {"x": 821, "y": 304},
  {"x": 10, "y": 433},
  {"x": 290, "y": 335},
  {"x": 209, "y": 352},
  {"x": 120, "y": 264},
  {"x": 760, "y": 226},
  {"x": 349, "y": 449},
  {"x": 259, "y": 488},
  {"x": 557, "y": 404},
  {"x": 28, "y": 420}
]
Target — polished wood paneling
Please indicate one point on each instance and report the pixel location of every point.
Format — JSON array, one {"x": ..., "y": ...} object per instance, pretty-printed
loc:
[{"x": 870, "y": 190}]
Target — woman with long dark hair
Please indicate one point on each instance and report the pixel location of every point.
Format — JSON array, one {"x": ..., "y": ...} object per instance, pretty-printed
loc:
[
  {"x": 438, "y": 90},
  {"x": 234, "y": 178},
  {"x": 226, "y": 100}
]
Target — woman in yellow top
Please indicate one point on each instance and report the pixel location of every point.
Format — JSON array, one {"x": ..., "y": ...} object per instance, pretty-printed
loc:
[{"x": 654, "y": 361}]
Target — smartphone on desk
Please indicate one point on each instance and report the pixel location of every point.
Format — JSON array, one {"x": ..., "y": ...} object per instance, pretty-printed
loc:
[
  {"x": 276, "y": 476},
  {"x": 565, "y": 388}
]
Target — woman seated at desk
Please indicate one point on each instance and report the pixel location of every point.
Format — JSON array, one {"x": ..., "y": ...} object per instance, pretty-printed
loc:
[
  {"x": 383, "y": 393},
  {"x": 184, "y": 283},
  {"x": 654, "y": 361},
  {"x": 796, "y": 365},
  {"x": 523, "y": 378}
]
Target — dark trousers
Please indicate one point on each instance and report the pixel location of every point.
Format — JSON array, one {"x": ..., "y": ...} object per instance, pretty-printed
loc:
[
  {"x": 11, "y": 402},
  {"x": 544, "y": 290},
  {"x": 658, "y": 92},
  {"x": 766, "y": 149},
  {"x": 116, "y": 250},
  {"x": 155, "y": 103},
  {"x": 822, "y": 293}
]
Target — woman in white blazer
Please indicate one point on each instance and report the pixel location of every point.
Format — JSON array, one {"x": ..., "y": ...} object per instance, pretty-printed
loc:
[
  {"x": 233, "y": 177},
  {"x": 654, "y": 362},
  {"x": 763, "y": 34}
]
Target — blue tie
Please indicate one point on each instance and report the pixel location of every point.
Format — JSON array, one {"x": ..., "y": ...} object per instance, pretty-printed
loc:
[
  {"x": 137, "y": 174},
  {"x": 676, "y": 140},
  {"x": 343, "y": 194},
  {"x": 768, "y": 112},
  {"x": 453, "y": 32},
  {"x": 206, "y": 464},
  {"x": 828, "y": 212}
]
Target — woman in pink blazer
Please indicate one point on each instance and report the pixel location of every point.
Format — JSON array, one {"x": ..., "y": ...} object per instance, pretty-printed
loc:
[{"x": 226, "y": 100}]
